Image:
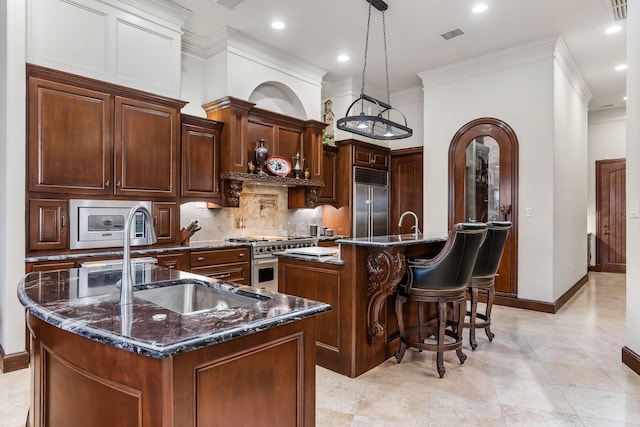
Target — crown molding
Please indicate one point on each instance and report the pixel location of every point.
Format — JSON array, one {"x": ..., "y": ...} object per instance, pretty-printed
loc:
[
  {"x": 516, "y": 56},
  {"x": 167, "y": 11},
  {"x": 230, "y": 40},
  {"x": 413, "y": 95},
  {"x": 565, "y": 61}
]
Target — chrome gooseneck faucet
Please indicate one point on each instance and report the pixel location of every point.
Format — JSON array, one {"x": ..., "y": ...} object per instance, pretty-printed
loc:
[
  {"x": 415, "y": 218},
  {"x": 126, "y": 287}
]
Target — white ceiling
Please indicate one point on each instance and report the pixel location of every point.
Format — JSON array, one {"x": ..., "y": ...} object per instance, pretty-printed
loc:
[{"x": 317, "y": 31}]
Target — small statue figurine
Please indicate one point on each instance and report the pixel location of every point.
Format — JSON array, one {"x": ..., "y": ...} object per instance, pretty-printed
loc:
[
  {"x": 307, "y": 174},
  {"x": 251, "y": 167}
]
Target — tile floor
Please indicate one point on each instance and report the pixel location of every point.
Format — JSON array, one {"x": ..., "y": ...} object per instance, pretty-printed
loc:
[{"x": 560, "y": 369}]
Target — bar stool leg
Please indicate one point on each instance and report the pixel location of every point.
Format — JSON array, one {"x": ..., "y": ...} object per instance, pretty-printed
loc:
[
  {"x": 400, "y": 300},
  {"x": 472, "y": 318},
  {"x": 462, "y": 309},
  {"x": 442, "y": 325},
  {"x": 491, "y": 294}
]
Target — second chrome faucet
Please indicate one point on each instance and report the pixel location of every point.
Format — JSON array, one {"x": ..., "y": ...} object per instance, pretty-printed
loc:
[{"x": 415, "y": 225}]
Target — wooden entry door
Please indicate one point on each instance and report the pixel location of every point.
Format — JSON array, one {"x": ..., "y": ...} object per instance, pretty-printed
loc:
[
  {"x": 611, "y": 224},
  {"x": 483, "y": 186}
]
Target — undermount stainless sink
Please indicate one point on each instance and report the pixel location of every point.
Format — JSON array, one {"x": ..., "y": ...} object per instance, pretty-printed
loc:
[{"x": 192, "y": 297}]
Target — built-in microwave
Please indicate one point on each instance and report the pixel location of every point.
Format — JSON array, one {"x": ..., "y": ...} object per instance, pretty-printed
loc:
[{"x": 100, "y": 223}]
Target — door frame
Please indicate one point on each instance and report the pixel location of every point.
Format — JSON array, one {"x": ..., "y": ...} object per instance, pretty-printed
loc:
[
  {"x": 598, "y": 196},
  {"x": 503, "y": 134}
]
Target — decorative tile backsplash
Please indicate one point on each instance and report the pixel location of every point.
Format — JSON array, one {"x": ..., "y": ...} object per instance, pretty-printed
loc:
[{"x": 263, "y": 211}]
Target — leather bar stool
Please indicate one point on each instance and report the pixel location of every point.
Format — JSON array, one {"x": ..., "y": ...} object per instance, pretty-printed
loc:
[
  {"x": 483, "y": 278},
  {"x": 440, "y": 280}
]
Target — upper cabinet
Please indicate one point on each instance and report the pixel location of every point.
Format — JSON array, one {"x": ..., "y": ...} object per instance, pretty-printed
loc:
[
  {"x": 368, "y": 156},
  {"x": 330, "y": 175},
  {"x": 200, "y": 159},
  {"x": 88, "y": 137}
]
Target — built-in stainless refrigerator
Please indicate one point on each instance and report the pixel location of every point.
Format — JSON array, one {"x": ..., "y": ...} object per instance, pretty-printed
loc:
[{"x": 370, "y": 202}]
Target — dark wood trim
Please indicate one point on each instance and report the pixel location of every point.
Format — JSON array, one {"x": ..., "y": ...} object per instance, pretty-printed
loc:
[
  {"x": 545, "y": 307},
  {"x": 596, "y": 267},
  {"x": 631, "y": 359},
  {"x": 405, "y": 151},
  {"x": 13, "y": 362}
]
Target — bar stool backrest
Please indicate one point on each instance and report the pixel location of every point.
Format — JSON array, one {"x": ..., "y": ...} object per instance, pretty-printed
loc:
[
  {"x": 452, "y": 267},
  {"x": 491, "y": 250}
]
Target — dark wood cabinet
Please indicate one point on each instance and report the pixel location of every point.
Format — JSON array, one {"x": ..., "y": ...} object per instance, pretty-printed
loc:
[
  {"x": 368, "y": 156},
  {"x": 329, "y": 175},
  {"x": 230, "y": 265},
  {"x": 48, "y": 224},
  {"x": 49, "y": 266},
  {"x": 200, "y": 159},
  {"x": 177, "y": 260},
  {"x": 87, "y": 137},
  {"x": 69, "y": 138},
  {"x": 146, "y": 148},
  {"x": 406, "y": 188},
  {"x": 166, "y": 217}
]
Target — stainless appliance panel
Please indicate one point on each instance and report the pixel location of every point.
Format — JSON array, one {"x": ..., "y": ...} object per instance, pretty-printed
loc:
[
  {"x": 370, "y": 202},
  {"x": 264, "y": 273},
  {"x": 100, "y": 223}
]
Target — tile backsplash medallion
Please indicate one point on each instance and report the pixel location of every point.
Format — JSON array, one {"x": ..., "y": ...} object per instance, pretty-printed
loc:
[{"x": 263, "y": 211}]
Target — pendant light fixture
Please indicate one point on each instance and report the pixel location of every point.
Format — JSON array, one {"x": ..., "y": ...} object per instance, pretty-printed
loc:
[{"x": 378, "y": 126}]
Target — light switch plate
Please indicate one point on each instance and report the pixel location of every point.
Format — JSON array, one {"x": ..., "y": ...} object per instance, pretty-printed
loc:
[
  {"x": 634, "y": 210},
  {"x": 529, "y": 211}
]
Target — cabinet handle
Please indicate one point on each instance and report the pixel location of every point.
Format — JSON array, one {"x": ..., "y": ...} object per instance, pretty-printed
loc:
[
  {"x": 155, "y": 222},
  {"x": 106, "y": 183},
  {"x": 241, "y": 255},
  {"x": 200, "y": 258},
  {"x": 117, "y": 184},
  {"x": 62, "y": 224},
  {"x": 221, "y": 276}
]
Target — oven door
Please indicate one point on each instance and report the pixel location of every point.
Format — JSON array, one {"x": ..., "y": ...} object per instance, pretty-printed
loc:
[{"x": 264, "y": 273}]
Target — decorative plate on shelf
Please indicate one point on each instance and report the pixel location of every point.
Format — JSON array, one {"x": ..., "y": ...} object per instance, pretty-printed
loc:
[{"x": 278, "y": 165}]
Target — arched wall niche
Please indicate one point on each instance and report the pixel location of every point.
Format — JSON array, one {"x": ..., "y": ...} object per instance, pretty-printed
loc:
[{"x": 279, "y": 98}]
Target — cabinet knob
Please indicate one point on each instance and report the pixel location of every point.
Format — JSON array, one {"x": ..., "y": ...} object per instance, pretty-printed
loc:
[
  {"x": 241, "y": 255},
  {"x": 117, "y": 184},
  {"x": 106, "y": 183},
  {"x": 200, "y": 258}
]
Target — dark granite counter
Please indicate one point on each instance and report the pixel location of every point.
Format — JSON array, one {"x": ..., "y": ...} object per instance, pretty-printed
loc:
[
  {"x": 334, "y": 259},
  {"x": 211, "y": 244},
  {"x": 395, "y": 240},
  {"x": 89, "y": 307}
]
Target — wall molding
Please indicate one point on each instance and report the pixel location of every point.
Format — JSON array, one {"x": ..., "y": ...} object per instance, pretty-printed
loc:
[
  {"x": 13, "y": 362},
  {"x": 570, "y": 69}
]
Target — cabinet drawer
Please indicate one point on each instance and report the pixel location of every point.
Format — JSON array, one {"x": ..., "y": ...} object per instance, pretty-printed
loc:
[
  {"x": 235, "y": 272},
  {"x": 219, "y": 256}
]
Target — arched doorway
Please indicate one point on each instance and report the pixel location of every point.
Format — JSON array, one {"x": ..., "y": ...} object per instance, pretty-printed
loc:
[{"x": 483, "y": 186}]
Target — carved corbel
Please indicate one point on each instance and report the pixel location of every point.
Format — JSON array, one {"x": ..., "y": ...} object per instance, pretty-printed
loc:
[
  {"x": 232, "y": 190},
  {"x": 386, "y": 267}
]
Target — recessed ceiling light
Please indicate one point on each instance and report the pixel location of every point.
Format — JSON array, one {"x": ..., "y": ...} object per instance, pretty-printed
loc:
[
  {"x": 343, "y": 58},
  {"x": 621, "y": 67},
  {"x": 277, "y": 25},
  {"x": 479, "y": 8},
  {"x": 613, "y": 29}
]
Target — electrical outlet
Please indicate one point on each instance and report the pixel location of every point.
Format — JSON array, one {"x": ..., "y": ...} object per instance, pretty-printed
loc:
[{"x": 529, "y": 211}]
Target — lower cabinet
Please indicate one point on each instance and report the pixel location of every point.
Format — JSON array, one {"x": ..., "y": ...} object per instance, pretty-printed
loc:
[
  {"x": 230, "y": 265},
  {"x": 48, "y": 224},
  {"x": 174, "y": 260},
  {"x": 50, "y": 266}
]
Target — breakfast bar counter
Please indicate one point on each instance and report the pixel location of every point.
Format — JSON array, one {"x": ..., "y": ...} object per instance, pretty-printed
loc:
[
  {"x": 149, "y": 363},
  {"x": 360, "y": 332}
]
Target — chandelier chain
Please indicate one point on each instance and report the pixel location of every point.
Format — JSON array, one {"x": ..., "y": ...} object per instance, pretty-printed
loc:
[
  {"x": 386, "y": 60},
  {"x": 366, "y": 49}
]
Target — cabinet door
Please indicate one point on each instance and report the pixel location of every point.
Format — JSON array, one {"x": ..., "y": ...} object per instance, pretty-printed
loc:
[
  {"x": 379, "y": 159},
  {"x": 47, "y": 224},
  {"x": 69, "y": 139},
  {"x": 165, "y": 221},
  {"x": 329, "y": 175},
  {"x": 200, "y": 162},
  {"x": 406, "y": 189},
  {"x": 146, "y": 148},
  {"x": 370, "y": 157}
]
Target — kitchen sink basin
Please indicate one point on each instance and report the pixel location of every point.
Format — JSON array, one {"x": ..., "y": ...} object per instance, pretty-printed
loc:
[{"x": 193, "y": 297}]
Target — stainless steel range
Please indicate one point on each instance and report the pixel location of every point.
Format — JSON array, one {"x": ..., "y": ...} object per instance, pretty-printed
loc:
[{"x": 264, "y": 264}]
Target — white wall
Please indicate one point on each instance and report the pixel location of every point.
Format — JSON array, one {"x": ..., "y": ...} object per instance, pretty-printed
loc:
[
  {"x": 516, "y": 86},
  {"x": 12, "y": 172},
  {"x": 192, "y": 87},
  {"x": 570, "y": 184},
  {"x": 633, "y": 175}
]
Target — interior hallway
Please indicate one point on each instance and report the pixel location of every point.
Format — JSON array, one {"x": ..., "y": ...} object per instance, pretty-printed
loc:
[{"x": 559, "y": 369}]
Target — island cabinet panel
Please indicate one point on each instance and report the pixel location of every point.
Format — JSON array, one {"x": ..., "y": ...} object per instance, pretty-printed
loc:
[
  {"x": 69, "y": 144},
  {"x": 265, "y": 378},
  {"x": 200, "y": 159},
  {"x": 146, "y": 148},
  {"x": 321, "y": 282},
  {"x": 48, "y": 222}
]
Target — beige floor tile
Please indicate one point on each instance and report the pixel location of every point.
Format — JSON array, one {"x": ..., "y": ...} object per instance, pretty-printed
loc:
[
  {"x": 594, "y": 422},
  {"x": 604, "y": 405},
  {"x": 533, "y": 395},
  {"x": 582, "y": 376},
  {"x": 457, "y": 411},
  {"x": 526, "y": 417},
  {"x": 328, "y": 417}
]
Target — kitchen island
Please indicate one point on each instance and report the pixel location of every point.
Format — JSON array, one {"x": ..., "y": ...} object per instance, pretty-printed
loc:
[
  {"x": 247, "y": 360},
  {"x": 360, "y": 332}
]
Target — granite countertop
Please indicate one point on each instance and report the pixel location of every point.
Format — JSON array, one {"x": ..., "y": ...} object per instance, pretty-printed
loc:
[
  {"x": 90, "y": 308},
  {"x": 395, "y": 239},
  {"x": 203, "y": 245},
  {"x": 326, "y": 259}
]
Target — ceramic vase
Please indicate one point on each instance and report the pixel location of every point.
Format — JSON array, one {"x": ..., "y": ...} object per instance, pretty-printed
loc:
[{"x": 262, "y": 154}]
